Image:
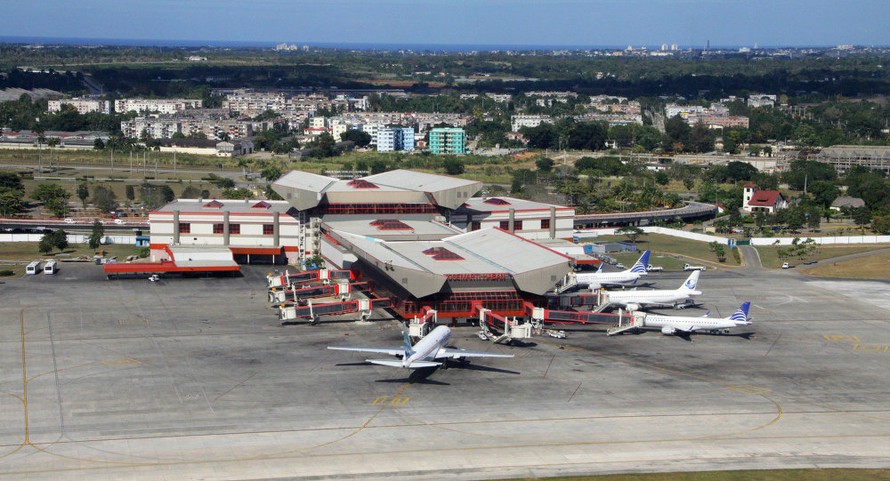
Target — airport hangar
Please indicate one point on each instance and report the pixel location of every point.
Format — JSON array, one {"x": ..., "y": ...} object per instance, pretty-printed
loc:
[{"x": 423, "y": 239}]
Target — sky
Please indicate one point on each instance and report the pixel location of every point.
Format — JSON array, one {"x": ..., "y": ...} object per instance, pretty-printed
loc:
[{"x": 688, "y": 23}]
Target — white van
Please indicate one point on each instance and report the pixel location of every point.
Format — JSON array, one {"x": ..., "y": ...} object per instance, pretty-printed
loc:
[
  {"x": 33, "y": 268},
  {"x": 50, "y": 268}
]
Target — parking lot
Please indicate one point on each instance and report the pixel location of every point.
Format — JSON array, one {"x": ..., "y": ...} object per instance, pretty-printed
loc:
[{"x": 196, "y": 379}]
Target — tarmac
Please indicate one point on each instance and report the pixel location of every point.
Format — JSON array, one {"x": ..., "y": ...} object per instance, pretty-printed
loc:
[{"x": 188, "y": 379}]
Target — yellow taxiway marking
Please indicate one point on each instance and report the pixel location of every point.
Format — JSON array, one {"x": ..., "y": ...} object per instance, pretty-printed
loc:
[
  {"x": 871, "y": 347},
  {"x": 840, "y": 338}
]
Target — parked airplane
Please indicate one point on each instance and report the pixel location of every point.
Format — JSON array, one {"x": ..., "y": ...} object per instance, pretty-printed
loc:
[
  {"x": 686, "y": 325},
  {"x": 597, "y": 279},
  {"x": 423, "y": 354},
  {"x": 634, "y": 299}
]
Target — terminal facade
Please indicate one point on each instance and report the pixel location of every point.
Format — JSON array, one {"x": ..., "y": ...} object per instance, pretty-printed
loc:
[{"x": 423, "y": 239}]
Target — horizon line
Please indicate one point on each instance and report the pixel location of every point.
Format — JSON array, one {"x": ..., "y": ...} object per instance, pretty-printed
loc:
[{"x": 184, "y": 43}]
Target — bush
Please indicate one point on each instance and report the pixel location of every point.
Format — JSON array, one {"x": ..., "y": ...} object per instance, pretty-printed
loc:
[
  {"x": 144, "y": 252},
  {"x": 6, "y": 272}
]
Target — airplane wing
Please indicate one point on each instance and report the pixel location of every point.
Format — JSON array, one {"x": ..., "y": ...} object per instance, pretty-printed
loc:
[
  {"x": 449, "y": 353},
  {"x": 392, "y": 351},
  {"x": 413, "y": 365}
]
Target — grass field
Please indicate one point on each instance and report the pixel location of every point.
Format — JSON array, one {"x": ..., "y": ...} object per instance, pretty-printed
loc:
[
  {"x": 16, "y": 255},
  {"x": 669, "y": 252},
  {"x": 774, "y": 475},
  {"x": 770, "y": 259},
  {"x": 876, "y": 266}
]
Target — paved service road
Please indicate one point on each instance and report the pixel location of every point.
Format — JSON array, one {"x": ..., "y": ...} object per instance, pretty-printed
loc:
[{"x": 196, "y": 379}]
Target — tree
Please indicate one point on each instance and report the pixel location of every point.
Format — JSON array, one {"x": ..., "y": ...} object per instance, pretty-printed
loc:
[
  {"x": 361, "y": 139},
  {"x": 96, "y": 235},
  {"x": 453, "y": 166},
  {"x": 47, "y": 191},
  {"x": 718, "y": 249},
  {"x": 271, "y": 173},
  {"x": 104, "y": 198},
  {"x": 131, "y": 193},
  {"x": 98, "y": 144},
  {"x": 45, "y": 246},
  {"x": 154, "y": 196},
  {"x": 57, "y": 206},
  {"x": 861, "y": 216},
  {"x": 544, "y": 164},
  {"x": 11, "y": 202},
  {"x": 83, "y": 193},
  {"x": 632, "y": 232},
  {"x": 881, "y": 224},
  {"x": 60, "y": 239},
  {"x": 11, "y": 181},
  {"x": 190, "y": 192}
]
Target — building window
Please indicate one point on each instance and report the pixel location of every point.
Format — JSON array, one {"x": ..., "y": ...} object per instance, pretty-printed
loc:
[
  {"x": 268, "y": 229},
  {"x": 517, "y": 225},
  {"x": 217, "y": 228},
  {"x": 505, "y": 225},
  {"x": 475, "y": 225},
  {"x": 545, "y": 223},
  {"x": 185, "y": 228},
  {"x": 235, "y": 229}
]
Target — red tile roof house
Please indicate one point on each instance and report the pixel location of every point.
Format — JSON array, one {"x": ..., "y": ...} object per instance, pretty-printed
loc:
[{"x": 768, "y": 201}]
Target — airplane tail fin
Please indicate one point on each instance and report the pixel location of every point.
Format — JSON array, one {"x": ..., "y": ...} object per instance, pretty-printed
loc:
[
  {"x": 409, "y": 350},
  {"x": 640, "y": 265},
  {"x": 691, "y": 281},
  {"x": 741, "y": 315}
]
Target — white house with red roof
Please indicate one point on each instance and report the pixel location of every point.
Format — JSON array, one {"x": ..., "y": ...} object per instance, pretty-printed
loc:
[{"x": 768, "y": 201}]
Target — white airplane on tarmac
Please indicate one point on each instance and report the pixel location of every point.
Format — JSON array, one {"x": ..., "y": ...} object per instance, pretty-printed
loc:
[
  {"x": 634, "y": 299},
  {"x": 687, "y": 325},
  {"x": 423, "y": 354},
  {"x": 597, "y": 279}
]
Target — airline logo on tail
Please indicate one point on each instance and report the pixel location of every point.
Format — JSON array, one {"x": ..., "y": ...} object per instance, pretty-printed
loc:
[
  {"x": 692, "y": 281},
  {"x": 640, "y": 266},
  {"x": 741, "y": 315},
  {"x": 409, "y": 350}
]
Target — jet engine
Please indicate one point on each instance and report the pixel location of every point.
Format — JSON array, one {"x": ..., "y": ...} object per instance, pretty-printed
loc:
[{"x": 668, "y": 330}]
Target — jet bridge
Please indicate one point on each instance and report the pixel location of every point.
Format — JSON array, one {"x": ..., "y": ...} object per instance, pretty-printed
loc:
[
  {"x": 341, "y": 289},
  {"x": 313, "y": 312},
  {"x": 288, "y": 279},
  {"x": 497, "y": 328},
  {"x": 419, "y": 327},
  {"x": 550, "y": 316}
]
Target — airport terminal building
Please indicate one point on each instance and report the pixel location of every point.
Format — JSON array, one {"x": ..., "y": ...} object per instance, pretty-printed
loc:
[{"x": 423, "y": 240}]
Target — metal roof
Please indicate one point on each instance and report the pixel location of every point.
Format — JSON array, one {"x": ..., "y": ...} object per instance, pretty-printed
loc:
[
  {"x": 496, "y": 204},
  {"x": 226, "y": 205},
  {"x": 424, "y": 266},
  {"x": 417, "y": 229},
  {"x": 305, "y": 191}
]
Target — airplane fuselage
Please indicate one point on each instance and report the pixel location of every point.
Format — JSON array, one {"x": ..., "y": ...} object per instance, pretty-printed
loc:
[
  {"x": 427, "y": 348},
  {"x": 650, "y": 297},
  {"x": 689, "y": 324}
]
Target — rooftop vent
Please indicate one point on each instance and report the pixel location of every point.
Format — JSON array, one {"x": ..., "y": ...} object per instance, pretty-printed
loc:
[
  {"x": 442, "y": 254},
  {"x": 213, "y": 204},
  {"x": 261, "y": 205},
  {"x": 361, "y": 184},
  {"x": 496, "y": 201},
  {"x": 390, "y": 224}
]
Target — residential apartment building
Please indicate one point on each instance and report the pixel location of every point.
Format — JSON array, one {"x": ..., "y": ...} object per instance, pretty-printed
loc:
[
  {"x": 526, "y": 120},
  {"x": 448, "y": 140},
  {"x": 161, "y": 106},
  {"x": 83, "y": 106},
  {"x": 395, "y": 139}
]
